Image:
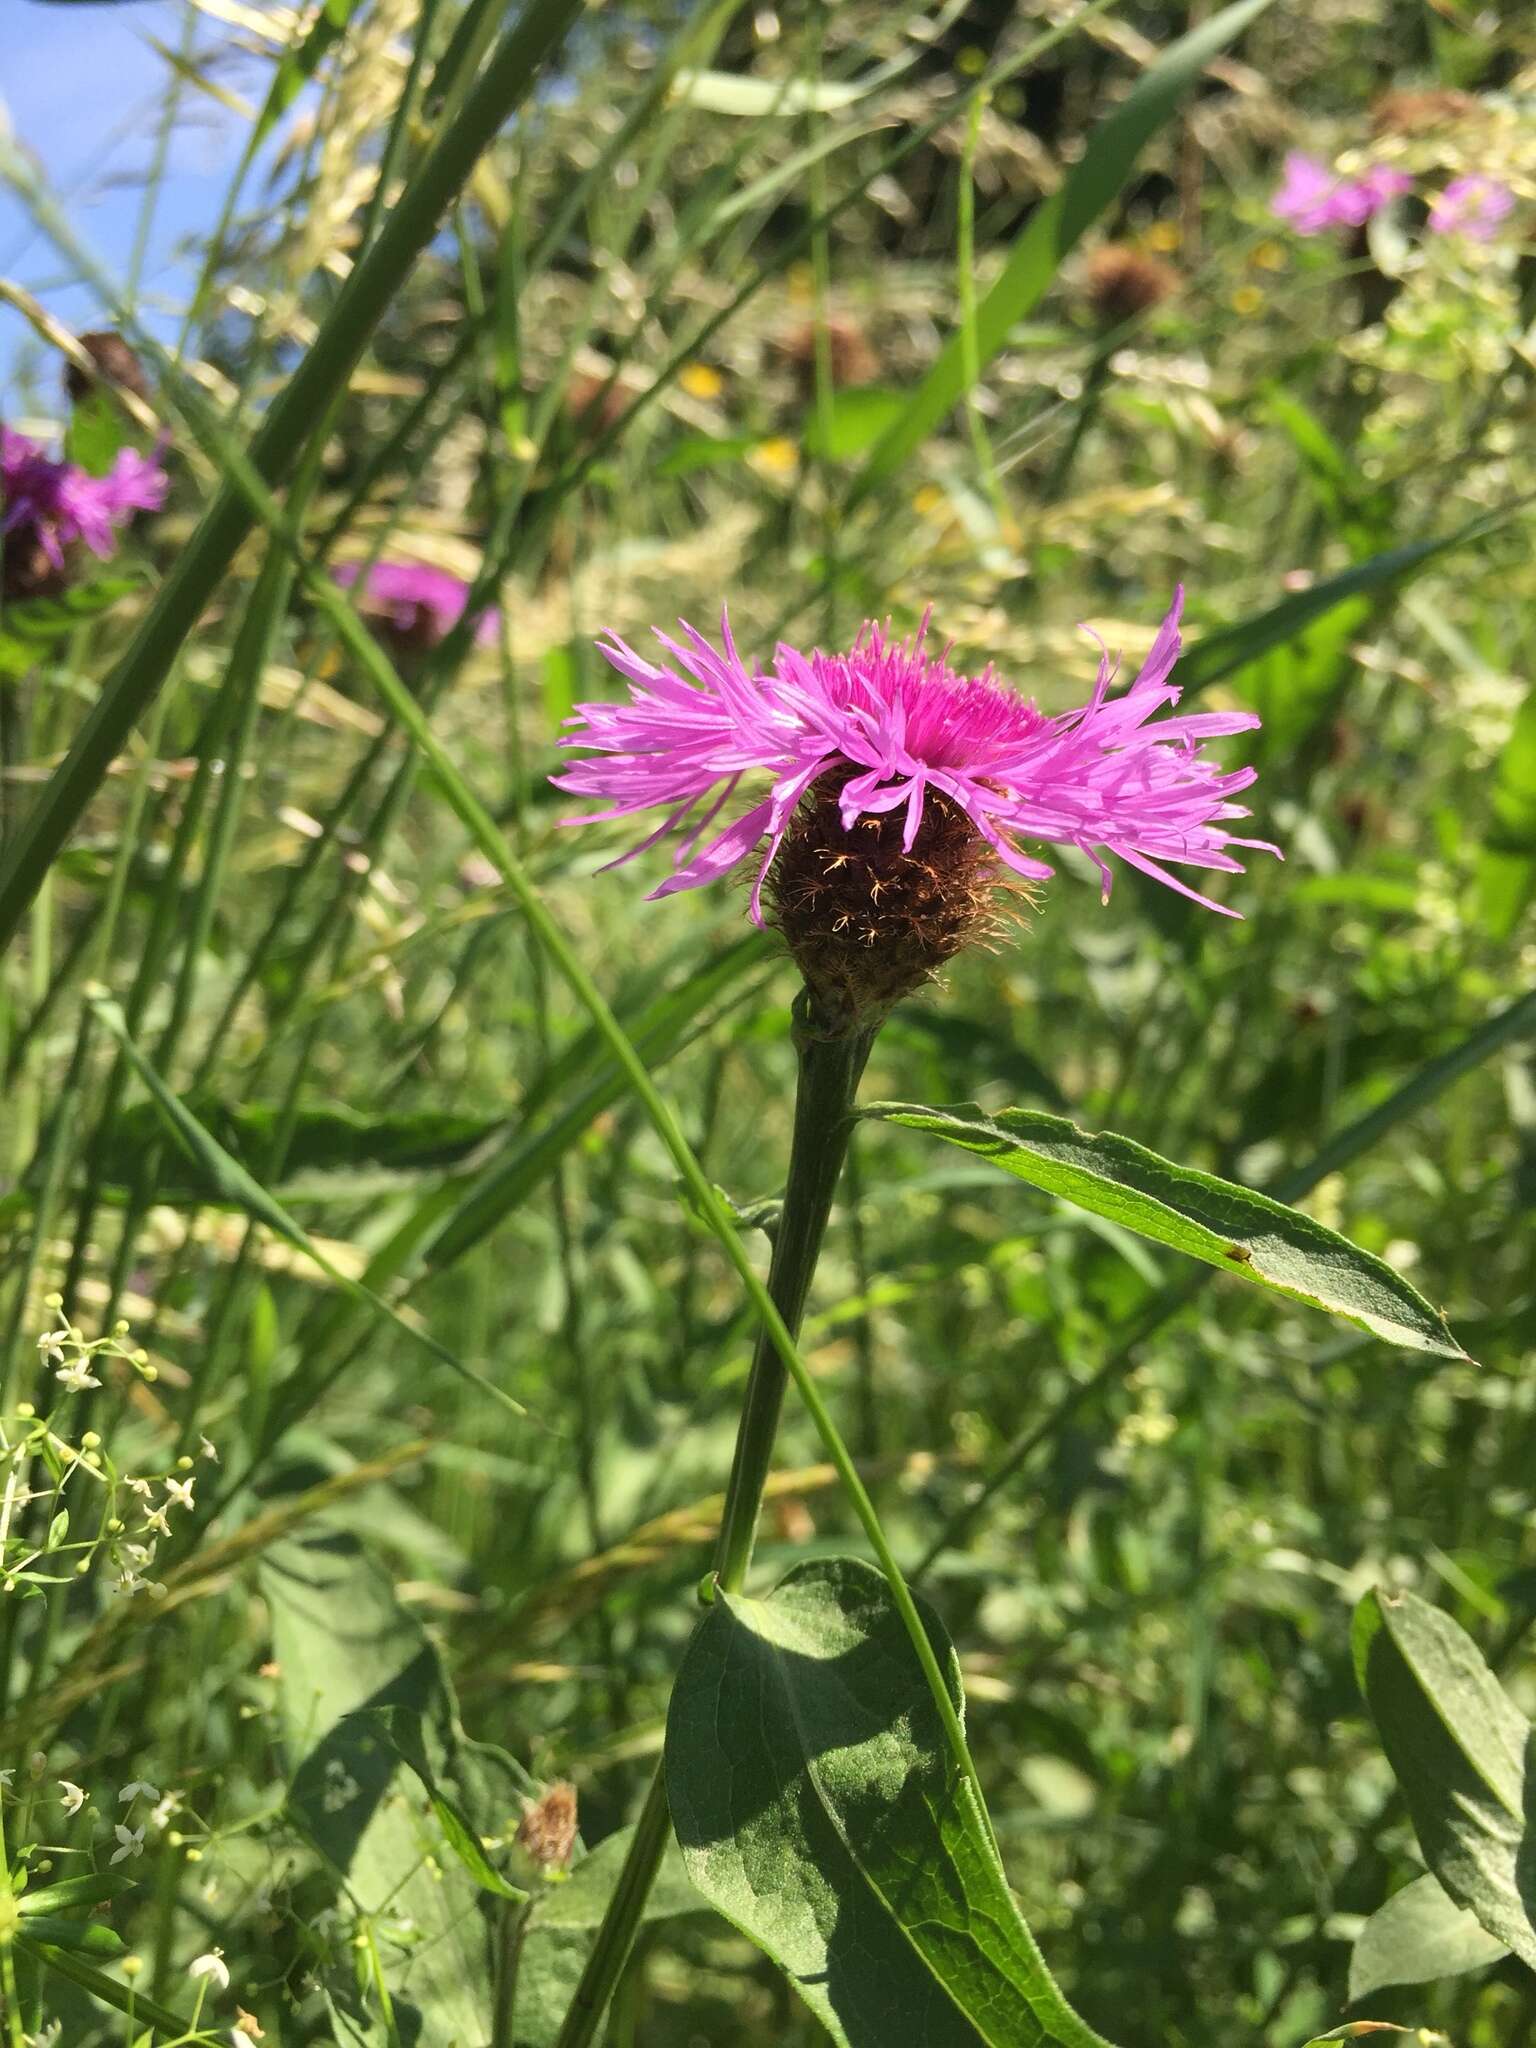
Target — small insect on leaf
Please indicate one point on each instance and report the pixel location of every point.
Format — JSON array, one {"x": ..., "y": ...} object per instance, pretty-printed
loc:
[{"x": 1239, "y": 1254}]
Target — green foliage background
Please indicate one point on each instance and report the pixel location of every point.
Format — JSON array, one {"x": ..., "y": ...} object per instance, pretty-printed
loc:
[{"x": 756, "y": 232}]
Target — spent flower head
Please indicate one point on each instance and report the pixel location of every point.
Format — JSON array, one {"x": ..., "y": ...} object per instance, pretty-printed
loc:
[
  {"x": 1313, "y": 199},
  {"x": 899, "y": 789}
]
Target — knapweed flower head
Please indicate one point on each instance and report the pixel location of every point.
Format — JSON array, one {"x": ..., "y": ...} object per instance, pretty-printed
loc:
[
  {"x": 1313, "y": 199},
  {"x": 48, "y": 506},
  {"x": 900, "y": 791},
  {"x": 1123, "y": 281},
  {"x": 417, "y": 604},
  {"x": 1472, "y": 206}
]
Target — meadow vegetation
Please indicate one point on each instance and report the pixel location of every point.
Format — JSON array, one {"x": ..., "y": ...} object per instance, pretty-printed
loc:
[{"x": 374, "y": 1332}]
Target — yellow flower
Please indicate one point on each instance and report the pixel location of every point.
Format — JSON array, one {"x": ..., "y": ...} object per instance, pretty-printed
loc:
[{"x": 700, "y": 381}]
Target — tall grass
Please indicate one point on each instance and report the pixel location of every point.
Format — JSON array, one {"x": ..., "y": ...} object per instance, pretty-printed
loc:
[{"x": 422, "y": 1162}]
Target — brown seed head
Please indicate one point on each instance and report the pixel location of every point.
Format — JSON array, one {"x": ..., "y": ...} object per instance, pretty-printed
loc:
[
  {"x": 547, "y": 1830},
  {"x": 115, "y": 361},
  {"x": 866, "y": 922},
  {"x": 1416, "y": 112},
  {"x": 1124, "y": 281}
]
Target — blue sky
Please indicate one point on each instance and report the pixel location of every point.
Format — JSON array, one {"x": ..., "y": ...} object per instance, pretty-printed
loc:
[{"x": 83, "y": 88}]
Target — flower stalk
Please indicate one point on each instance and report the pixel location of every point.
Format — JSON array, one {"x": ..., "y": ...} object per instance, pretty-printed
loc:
[{"x": 830, "y": 1064}]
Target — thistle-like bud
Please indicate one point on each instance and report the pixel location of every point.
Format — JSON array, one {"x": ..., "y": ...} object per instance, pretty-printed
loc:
[
  {"x": 115, "y": 363},
  {"x": 868, "y": 921}
]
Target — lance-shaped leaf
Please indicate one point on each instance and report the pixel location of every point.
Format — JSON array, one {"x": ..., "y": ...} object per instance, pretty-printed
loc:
[
  {"x": 1420, "y": 1934},
  {"x": 1458, "y": 1748},
  {"x": 1231, "y": 1227},
  {"x": 818, "y": 1807}
]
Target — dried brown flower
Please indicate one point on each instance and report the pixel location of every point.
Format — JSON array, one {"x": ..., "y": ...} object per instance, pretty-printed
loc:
[
  {"x": 1124, "y": 281},
  {"x": 547, "y": 1830}
]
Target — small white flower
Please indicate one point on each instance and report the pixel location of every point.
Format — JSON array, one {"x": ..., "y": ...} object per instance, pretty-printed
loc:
[
  {"x": 165, "y": 1807},
  {"x": 6, "y": 1777},
  {"x": 178, "y": 1493},
  {"x": 155, "y": 1520},
  {"x": 211, "y": 1965},
  {"x": 71, "y": 1797},
  {"x": 208, "y": 1450},
  {"x": 140, "y": 1554},
  {"x": 51, "y": 1345},
  {"x": 130, "y": 1842},
  {"x": 128, "y": 1582},
  {"x": 134, "y": 1787},
  {"x": 140, "y": 1487},
  {"x": 75, "y": 1378}
]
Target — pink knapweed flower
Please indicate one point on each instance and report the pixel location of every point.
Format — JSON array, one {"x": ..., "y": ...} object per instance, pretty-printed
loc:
[
  {"x": 1313, "y": 199},
  {"x": 54, "y": 504},
  {"x": 1471, "y": 206},
  {"x": 893, "y": 728},
  {"x": 418, "y": 603}
]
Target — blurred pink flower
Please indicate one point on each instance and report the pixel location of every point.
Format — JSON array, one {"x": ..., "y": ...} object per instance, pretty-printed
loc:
[
  {"x": 1313, "y": 198},
  {"x": 1471, "y": 206},
  {"x": 54, "y": 504},
  {"x": 897, "y": 723},
  {"x": 419, "y": 603}
]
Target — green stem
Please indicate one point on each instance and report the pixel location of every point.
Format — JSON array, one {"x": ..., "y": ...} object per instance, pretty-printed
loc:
[{"x": 829, "y": 1074}]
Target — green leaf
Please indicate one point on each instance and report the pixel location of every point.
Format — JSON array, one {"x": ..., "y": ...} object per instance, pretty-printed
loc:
[
  {"x": 735, "y": 92},
  {"x": 299, "y": 66},
  {"x": 239, "y": 1188},
  {"x": 79, "y": 1937},
  {"x": 1458, "y": 1748},
  {"x": 1507, "y": 870},
  {"x": 1230, "y": 1227},
  {"x": 1418, "y": 1935},
  {"x": 401, "y": 1729},
  {"x": 1054, "y": 228},
  {"x": 1221, "y": 654},
  {"x": 320, "y": 1141},
  {"x": 706, "y": 451},
  {"x": 97, "y": 433},
  {"x": 344, "y": 1644},
  {"x": 815, "y": 1796},
  {"x": 858, "y": 418},
  {"x": 93, "y": 1888},
  {"x": 562, "y": 1921},
  {"x": 29, "y": 626}
]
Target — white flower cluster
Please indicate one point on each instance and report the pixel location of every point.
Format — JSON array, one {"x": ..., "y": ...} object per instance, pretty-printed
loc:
[{"x": 63, "y": 1501}]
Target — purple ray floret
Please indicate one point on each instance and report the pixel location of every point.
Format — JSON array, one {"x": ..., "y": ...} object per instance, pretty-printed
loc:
[
  {"x": 1472, "y": 206},
  {"x": 1313, "y": 199},
  {"x": 411, "y": 595},
  {"x": 60, "y": 503},
  {"x": 898, "y": 724}
]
